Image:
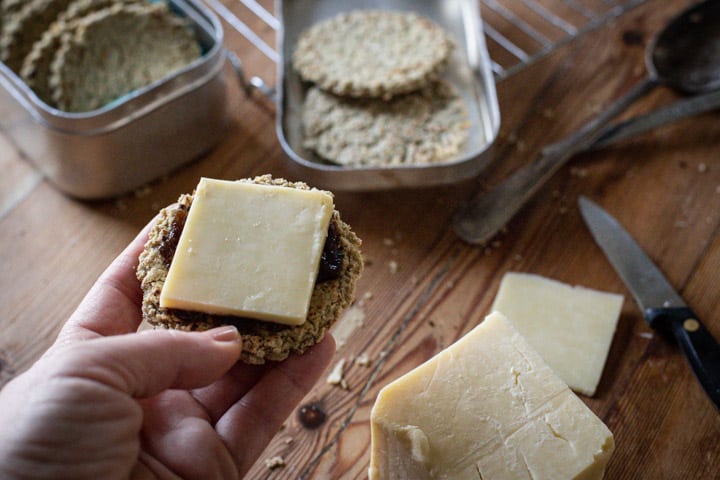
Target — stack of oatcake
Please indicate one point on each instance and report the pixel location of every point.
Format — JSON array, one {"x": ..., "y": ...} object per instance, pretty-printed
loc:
[
  {"x": 79, "y": 55},
  {"x": 377, "y": 99}
]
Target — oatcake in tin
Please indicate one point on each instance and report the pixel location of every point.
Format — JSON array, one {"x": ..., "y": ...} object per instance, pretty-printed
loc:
[
  {"x": 8, "y": 8},
  {"x": 35, "y": 70},
  {"x": 262, "y": 341},
  {"x": 372, "y": 53},
  {"x": 26, "y": 27},
  {"x": 423, "y": 127},
  {"x": 117, "y": 50}
]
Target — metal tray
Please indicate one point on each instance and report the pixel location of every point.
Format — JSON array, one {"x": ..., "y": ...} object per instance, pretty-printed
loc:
[
  {"x": 469, "y": 71},
  {"x": 135, "y": 139}
]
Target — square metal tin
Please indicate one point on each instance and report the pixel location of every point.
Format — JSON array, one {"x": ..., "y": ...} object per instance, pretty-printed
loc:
[
  {"x": 469, "y": 71},
  {"x": 135, "y": 139}
]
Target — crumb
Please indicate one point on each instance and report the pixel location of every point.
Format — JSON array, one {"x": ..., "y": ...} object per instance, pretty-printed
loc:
[
  {"x": 393, "y": 266},
  {"x": 450, "y": 284},
  {"x": 578, "y": 172},
  {"x": 388, "y": 242},
  {"x": 274, "y": 462},
  {"x": 702, "y": 167},
  {"x": 363, "y": 360},
  {"x": 512, "y": 138},
  {"x": 336, "y": 375},
  {"x": 520, "y": 145},
  {"x": 647, "y": 335},
  {"x": 143, "y": 191}
]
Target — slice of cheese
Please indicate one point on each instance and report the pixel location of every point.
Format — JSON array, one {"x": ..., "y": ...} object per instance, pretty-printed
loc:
[
  {"x": 487, "y": 408},
  {"x": 571, "y": 327},
  {"x": 249, "y": 250}
]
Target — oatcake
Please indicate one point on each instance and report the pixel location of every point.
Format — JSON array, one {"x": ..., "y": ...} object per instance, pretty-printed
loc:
[
  {"x": 26, "y": 27},
  {"x": 35, "y": 70},
  {"x": 117, "y": 50},
  {"x": 8, "y": 9},
  {"x": 261, "y": 340},
  {"x": 428, "y": 126},
  {"x": 372, "y": 53}
]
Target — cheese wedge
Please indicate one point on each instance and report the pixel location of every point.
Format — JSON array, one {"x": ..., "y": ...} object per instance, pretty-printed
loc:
[
  {"x": 571, "y": 327},
  {"x": 488, "y": 408},
  {"x": 249, "y": 250}
]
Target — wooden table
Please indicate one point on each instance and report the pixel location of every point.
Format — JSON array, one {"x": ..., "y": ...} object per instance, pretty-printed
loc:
[{"x": 664, "y": 186}]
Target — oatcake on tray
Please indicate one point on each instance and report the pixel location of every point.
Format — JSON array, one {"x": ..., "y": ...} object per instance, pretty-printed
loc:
[
  {"x": 423, "y": 127},
  {"x": 262, "y": 340},
  {"x": 372, "y": 53}
]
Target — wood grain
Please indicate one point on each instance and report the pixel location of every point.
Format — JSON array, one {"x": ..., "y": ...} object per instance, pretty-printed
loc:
[{"x": 664, "y": 186}]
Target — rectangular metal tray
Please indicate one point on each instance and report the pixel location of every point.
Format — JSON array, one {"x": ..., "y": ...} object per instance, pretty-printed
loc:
[
  {"x": 469, "y": 71},
  {"x": 133, "y": 140}
]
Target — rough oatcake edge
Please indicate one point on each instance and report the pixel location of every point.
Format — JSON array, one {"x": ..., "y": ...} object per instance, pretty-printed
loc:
[{"x": 261, "y": 340}]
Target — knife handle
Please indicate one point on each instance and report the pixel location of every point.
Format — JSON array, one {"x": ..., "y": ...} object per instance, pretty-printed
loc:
[{"x": 700, "y": 348}]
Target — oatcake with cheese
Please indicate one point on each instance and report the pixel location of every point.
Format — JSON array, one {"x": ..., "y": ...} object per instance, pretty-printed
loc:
[
  {"x": 262, "y": 340},
  {"x": 424, "y": 127},
  {"x": 372, "y": 53},
  {"x": 115, "y": 51}
]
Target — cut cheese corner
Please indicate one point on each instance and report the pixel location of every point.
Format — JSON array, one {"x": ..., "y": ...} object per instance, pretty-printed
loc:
[
  {"x": 486, "y": 407},
  {"x": 571, "y": 327},
  {"x": 249, "y": 250}
]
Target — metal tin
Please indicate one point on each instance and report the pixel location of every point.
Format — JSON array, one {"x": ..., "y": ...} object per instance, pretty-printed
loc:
[
  {"x": 139, "y": 137},
  {"x": 469, "y": 70}
]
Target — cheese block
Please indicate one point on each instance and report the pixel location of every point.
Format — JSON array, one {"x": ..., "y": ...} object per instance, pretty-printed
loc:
[
  {"x": 571, "y": 327},
  {"x": 487, "y": 407},
  {"x": 249, "y": 250}
]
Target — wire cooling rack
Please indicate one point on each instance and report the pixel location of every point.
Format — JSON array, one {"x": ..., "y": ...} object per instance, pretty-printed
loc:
[{"x": 518, "y": 32}]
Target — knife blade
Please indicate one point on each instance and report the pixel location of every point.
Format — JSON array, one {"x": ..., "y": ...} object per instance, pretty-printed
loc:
[{"x": 662, "y": 307}]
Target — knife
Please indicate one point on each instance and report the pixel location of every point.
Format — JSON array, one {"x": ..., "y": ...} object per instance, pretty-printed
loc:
[{"x": 662, "y": 307}]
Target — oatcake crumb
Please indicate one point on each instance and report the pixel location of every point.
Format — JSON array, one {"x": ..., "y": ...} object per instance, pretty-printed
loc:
[
  {"x": 336, "y": 375},
  {"x": 275, "y": 462}
]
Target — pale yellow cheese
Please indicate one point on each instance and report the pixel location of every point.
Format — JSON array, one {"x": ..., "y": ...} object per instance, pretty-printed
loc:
[
  {"x": 489, "y": 408},
  {"x": 571, "y": 327},
  {"x": 249, "y": 250}
]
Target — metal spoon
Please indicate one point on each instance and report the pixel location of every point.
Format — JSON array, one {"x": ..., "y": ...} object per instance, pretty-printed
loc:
[{"x": 685, "y": 56}]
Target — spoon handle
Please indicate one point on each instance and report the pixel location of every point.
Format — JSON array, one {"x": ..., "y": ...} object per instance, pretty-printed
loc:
[
  {"x": 657, "y": 118},
  {"x": 481, "y": 218}
]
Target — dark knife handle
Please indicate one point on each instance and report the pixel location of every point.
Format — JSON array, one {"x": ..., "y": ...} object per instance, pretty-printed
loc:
[{"x": 701, "y": 349}]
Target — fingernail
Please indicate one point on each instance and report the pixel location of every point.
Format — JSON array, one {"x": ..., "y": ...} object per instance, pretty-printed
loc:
[{"x": 225, "y": 334}]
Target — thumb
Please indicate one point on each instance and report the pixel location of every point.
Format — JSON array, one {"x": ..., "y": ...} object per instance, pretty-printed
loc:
[{"x": 145, "y": 364}]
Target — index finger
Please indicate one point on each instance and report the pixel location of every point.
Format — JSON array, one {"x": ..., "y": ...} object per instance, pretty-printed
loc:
[{"x": 113, "y": 305}]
